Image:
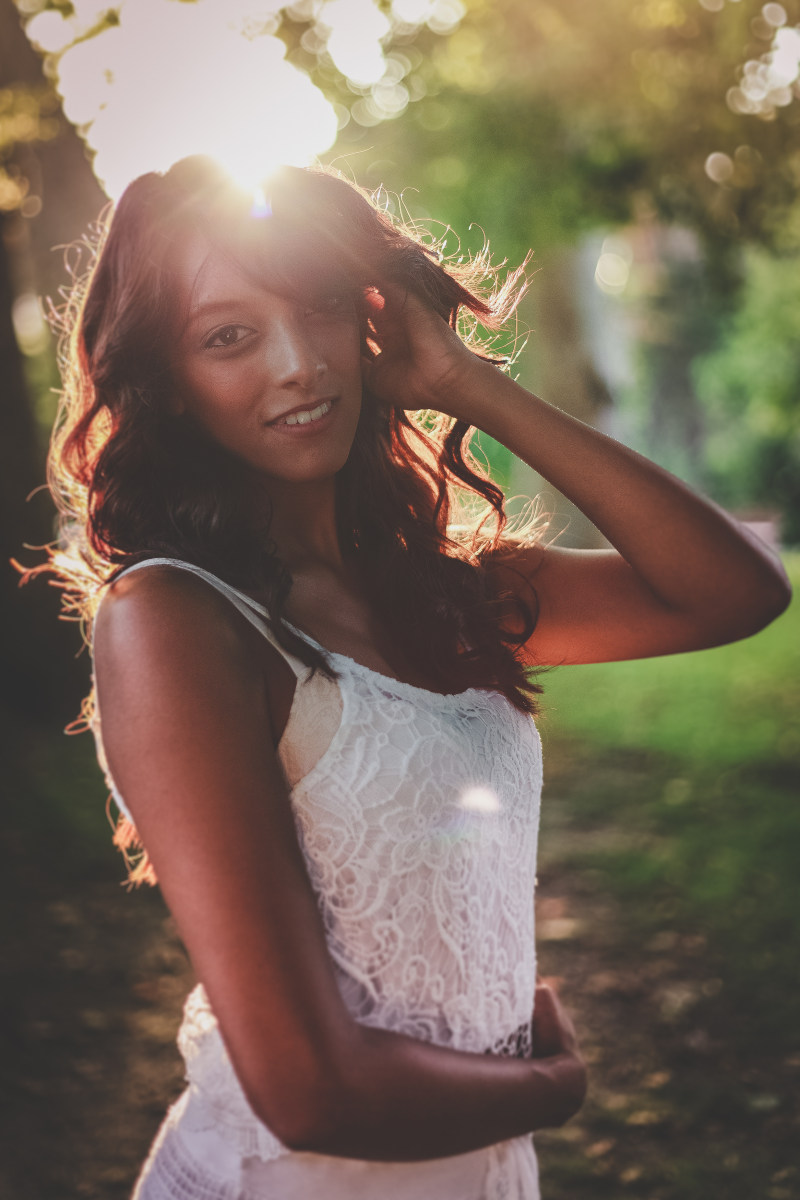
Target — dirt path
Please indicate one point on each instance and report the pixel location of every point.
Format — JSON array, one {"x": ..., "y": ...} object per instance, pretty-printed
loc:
[
  {"x": 95, "y": 979},
  {"x": 677, "y": 1110}
]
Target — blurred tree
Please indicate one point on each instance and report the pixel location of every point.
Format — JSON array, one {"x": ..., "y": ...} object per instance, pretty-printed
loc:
[
  {"x": 537, "y": 119},
  {"x": 547, "y": 119},
  {"x": 750, "y": 387},
  {"x": 675, "y": 316},
  {"x": 36, "y": 677}
]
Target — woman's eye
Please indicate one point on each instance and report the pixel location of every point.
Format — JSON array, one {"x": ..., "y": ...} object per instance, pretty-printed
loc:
[{"x": 229, "y": 335}]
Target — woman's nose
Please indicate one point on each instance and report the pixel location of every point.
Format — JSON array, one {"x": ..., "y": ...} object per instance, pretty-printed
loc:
[{"x": 295, "y": 358}]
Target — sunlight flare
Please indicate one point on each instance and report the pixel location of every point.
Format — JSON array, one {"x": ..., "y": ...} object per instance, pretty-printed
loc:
[
  {"x": 147, "y": 82},
  {"x": 203, "y": 85}
]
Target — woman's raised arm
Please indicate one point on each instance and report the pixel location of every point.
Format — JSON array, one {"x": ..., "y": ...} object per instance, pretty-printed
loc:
[
  {"x": 683, "y": 574},
  {"x": 186, "y": 730}
]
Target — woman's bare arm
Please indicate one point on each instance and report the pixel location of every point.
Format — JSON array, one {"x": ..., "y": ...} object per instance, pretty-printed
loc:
[
  {"x": 186, "y": 731},
  {"x": 683, "y": 574}
]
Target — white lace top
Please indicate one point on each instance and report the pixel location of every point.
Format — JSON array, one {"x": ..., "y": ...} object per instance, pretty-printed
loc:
[{"x": 417, "y": 814}]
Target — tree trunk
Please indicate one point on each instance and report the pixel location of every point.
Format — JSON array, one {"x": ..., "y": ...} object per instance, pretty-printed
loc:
[
  {"x": 40, "y": 678},
  {"x": 557, "y": 365},
  {"x": 37, "y": 678}
]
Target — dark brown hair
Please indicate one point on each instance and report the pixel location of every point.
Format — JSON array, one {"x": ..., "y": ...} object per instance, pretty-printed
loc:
[{"x": 133, "y": 481}]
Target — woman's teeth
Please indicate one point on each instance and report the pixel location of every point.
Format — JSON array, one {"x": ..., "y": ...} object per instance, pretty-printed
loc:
[{"x": 311, "y": 414}]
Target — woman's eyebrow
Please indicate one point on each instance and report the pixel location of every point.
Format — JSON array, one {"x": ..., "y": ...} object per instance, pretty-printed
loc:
[{"x": 204, "y": 310}]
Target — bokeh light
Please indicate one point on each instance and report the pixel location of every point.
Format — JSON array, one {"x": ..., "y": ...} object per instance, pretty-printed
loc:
[
  {"x": 30, "y": 330},
  {"x": 613, "y": 267},
  {"x": 202, "y": 85},
  {"x": 771, "y": 81},
  {"x": 354, "y": 32},
  {"x": 719, "y": 167},
  {"x": 149, "y": 81}
]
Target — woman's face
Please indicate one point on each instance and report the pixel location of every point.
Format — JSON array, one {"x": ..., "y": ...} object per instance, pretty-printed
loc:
[{"x": 274, "y": 379}]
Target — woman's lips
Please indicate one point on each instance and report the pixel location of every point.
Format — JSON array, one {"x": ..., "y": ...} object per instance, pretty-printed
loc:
[{"x": 304, "y": 416}]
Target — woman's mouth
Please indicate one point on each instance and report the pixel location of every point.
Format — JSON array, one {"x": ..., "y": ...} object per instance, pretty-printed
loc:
[{"x": 306, "y": 416}]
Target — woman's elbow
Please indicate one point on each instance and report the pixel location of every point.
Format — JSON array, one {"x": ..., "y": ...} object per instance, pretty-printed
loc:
[
  {"x": 771, "y": 587},
  {"x": 747, "y": 610},
  {"x": 770, "y": 600},
  {"x": 309, "y": 1126},
  {"x": 307, "y": 1112}
]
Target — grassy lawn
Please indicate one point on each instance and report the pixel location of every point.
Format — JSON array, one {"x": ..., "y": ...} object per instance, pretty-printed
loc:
[
  {"x": 717, "y": 738},
  {"x": 670, "y": 909},
  {"x": 719, "y": 708}
]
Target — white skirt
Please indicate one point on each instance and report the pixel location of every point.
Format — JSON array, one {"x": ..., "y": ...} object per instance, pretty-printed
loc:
[{"x": 187, "y": 1165}]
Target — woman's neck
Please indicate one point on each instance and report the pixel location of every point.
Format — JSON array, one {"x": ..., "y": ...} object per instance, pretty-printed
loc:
[{"x": 303, "y": 523}]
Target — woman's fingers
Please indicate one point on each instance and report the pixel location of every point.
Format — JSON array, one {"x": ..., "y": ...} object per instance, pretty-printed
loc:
[
  {"x": 545, "y": 1028},
  {"x": 554, "y": 1038},
  {"x": 552, "y": 1028},
  {"x": 384, "y": 312},
  {"x": 418, "y": 358}
]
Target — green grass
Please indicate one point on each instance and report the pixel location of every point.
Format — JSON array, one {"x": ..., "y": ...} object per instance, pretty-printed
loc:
[
  {"x": 688, "y": 770},
  {"x": 725, "y": 706}
]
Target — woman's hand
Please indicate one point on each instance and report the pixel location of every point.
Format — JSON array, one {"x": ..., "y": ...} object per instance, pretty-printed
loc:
[
  {"x": 554, "y": 1038},
  {"x": 421, "y": 363},
  {"x": 552, "y": 1027}
]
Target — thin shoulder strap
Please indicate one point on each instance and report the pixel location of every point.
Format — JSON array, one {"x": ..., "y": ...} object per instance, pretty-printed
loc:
[{"x": 250, "y": 609}]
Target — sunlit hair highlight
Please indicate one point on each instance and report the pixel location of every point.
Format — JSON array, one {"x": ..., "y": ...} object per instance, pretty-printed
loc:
[{"x": 418, "y": 517}]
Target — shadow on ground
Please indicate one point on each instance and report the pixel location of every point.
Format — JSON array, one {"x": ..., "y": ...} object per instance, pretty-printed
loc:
[{"x": 687, "y": 1099}]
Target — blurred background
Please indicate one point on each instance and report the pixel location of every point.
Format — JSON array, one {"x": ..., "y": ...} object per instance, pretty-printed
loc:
[{"x": 648, "y": 151}]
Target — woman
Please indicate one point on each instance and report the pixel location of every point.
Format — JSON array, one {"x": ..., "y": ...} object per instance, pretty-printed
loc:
[{"x": 314, "y": 682}]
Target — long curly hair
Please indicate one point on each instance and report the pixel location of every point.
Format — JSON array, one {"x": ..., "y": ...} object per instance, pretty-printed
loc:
[{"x": 132, "y": 480}]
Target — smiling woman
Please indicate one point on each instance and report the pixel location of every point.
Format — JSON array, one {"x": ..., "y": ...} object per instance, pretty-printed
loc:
[
  {"x": 201, "y": 348},
  {"x": 275, "y": 378},
  {"x": 313, "y": 698}
]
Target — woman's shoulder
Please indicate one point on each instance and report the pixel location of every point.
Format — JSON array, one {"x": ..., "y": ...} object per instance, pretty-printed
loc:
[
  {"x": 154, "y": 588},
  {"x": 162, "y": 606}
]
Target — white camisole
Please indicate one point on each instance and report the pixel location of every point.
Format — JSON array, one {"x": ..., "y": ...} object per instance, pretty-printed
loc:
[{"x": 417, "y": 814}]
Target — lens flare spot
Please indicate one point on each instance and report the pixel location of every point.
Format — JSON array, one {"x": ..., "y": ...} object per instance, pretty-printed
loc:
[
  {"x": 261, "y": 206},
  {"x": 480, "y": 799}
]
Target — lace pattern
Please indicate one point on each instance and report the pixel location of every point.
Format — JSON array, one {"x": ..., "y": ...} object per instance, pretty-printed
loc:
[
  {"x": 181, "y": 1167},
  {"x": 174, "y": 1171},
  {"x": 418, "y": 823},
  {"x": 419, "y": 829},
  {"x": 215, "y": 1087}
]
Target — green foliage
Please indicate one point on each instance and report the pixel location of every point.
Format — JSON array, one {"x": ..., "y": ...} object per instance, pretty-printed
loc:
[
  {"x": 750, "y": 388},
  {"x": 518, "y": 167},
  {"x": 543, "y": 120}
]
